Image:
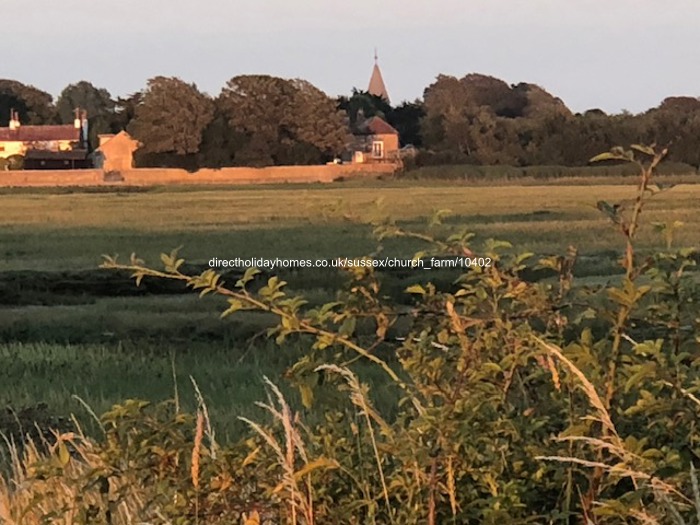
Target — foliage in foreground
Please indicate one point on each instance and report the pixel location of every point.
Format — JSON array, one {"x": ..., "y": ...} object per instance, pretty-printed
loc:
[{"x": 521, "y": 402}]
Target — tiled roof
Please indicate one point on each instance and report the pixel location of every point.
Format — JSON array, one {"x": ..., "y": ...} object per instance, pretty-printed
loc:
[
  {"x": 376, "y": 126},
  {"x": 40, "y": 133}
]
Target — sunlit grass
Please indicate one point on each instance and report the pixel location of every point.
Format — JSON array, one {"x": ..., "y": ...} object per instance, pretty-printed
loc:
[{"x": 63, "y": 231}]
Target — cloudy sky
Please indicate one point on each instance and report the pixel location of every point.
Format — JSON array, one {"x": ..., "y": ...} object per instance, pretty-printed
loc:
[{"x": 609, "y": 54}]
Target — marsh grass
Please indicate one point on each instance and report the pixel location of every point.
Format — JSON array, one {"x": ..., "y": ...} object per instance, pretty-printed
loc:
[{"x": 103, "y": 375}]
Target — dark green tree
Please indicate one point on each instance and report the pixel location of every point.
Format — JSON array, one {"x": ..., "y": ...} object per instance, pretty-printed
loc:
[
  {"x": 406, "y": 119},
  {"x": 33, "y": 105},
  {"x": 96, "y": 101},
  {"x": 364, "y": 105},
  {"x": 125, "y": 110},
  {"x": 282, "y": 121},
  {"x": 221, "y": 143},
  {"x": 675, "y": 121},
  {"x": 169, "y": 120}
]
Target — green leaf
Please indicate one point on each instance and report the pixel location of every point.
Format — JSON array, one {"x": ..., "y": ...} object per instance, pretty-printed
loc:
[
  {"x": 248, "y": 276},
  {"x": 417, "y": 289},
  {"x": 170, "y": 261},
  {"x": 609, "y": 156},
  {"x": 438, "y": 216},
  {"x": 307, "y": 395},
  {"x": 234, "y": 306},
  {"x": 647, "y": 150},
  {"x": 63, "y": 454},
  {"x": 138, "y": 276},
  {"x": 348, "y": 326}
]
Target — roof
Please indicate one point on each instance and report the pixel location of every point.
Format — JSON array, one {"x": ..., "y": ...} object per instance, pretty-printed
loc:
[
  {"x": 376, "y": 126},
  {"x": 40, "y": 133},
  {"x": 376, "y": 84},
  {"x": 39, "y": 154},
  {"x": 114, "y": 140}
]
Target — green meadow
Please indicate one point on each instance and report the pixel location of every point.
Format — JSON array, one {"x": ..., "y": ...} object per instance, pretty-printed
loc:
[{"x": 67, "y": 330}]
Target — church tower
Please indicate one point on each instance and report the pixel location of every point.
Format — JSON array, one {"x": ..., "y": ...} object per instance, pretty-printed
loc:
[{"x": 376, "y": 82}]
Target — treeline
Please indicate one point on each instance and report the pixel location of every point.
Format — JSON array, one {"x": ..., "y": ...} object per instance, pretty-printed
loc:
[{"x": 260, "y": 120}]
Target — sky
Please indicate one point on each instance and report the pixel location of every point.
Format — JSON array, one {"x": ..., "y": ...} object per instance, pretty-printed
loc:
[{"x": 609, "y": 54}]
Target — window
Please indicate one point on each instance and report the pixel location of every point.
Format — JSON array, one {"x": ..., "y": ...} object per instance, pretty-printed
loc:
[{"x": 378, "y": 149}]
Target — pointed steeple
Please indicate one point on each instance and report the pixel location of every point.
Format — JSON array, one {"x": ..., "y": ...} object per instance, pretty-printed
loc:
[{"x": 376, "y": 82}]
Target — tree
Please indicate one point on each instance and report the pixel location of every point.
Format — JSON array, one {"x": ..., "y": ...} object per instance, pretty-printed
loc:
[
  {"x": 484, "y": 90},
  {"x": 95, "y": 101},
  {"x": 536, "y": 101},
  {"x": 481, "y": 119},
  {"x": 33, "y": 105},
  {"x": 318, "y": 121},
  {"x": 220, "y": 142},
  {"x": 282, "y": 121},
  {"x": 675, "y": 121},
  {"x": 406, "y": 119},
  {"x": 461, "y": 125},
  {"x": 364, "y": 104},
  {"x": 170, "y": 117},
  {"x": 125, "y": 110}
]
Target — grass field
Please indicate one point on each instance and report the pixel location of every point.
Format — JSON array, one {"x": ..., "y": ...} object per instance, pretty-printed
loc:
[
  {"x": 106, "y": 349},
  {"x": 43, "y": 231}
]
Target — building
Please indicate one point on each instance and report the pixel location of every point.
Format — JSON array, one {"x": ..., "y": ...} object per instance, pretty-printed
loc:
[
  {"x": 46, "y": 147},
  {"x": 375, "y": 141},
  {"x": 116, "y": 152}
]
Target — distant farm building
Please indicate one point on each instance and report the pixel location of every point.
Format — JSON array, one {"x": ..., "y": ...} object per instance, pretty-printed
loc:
[
  {"x": 375, "y": 141},
  {"x": 45, "y": 147},
  {"x": 116, "y": 152}
]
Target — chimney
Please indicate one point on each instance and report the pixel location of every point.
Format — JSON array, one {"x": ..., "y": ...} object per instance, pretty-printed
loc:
[
  {"x": 14, "y": 120},
  {"x": 77, "y": 124},
  {"x": 84, "y": 128}
]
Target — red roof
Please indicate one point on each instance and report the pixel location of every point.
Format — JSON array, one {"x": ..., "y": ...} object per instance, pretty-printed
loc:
[
  {"x": 40, "y": 133},
  {"x": 377, "y": 126}
]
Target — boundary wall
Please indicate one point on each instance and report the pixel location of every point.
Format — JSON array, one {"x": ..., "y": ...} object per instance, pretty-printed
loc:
[{"x": 167, "y": 176}]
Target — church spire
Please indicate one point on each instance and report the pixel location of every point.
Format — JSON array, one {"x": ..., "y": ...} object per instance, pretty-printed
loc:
[{"x": 376, "y": 82}]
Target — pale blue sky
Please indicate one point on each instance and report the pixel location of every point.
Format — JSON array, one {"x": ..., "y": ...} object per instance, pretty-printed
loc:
[{"x": 611, "y": 54}]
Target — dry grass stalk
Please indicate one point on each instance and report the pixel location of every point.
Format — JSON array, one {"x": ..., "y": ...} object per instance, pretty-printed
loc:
[
  {"x": 358, "y": 399},
  {"x": 197, "y": 449},
  {"x": 621, "y": 472},
  {"x": 300, "y": 500},
  {"x": 696, "y": 489},
  {"x": 555, "y": 373},
  {"x": 27, "y": 496},
  {"x": 644, "y": 518},
  {"x": 615, "y": 446},
  {"x": 451, "y": 489},
  {"x": 601, "y": 444},
  {"x": 202, "y": 406},
  {"x": 586, "y": 385}
]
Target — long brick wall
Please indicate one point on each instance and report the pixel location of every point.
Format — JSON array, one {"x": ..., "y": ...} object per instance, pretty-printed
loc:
[{"x": 158, "y": 176}]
